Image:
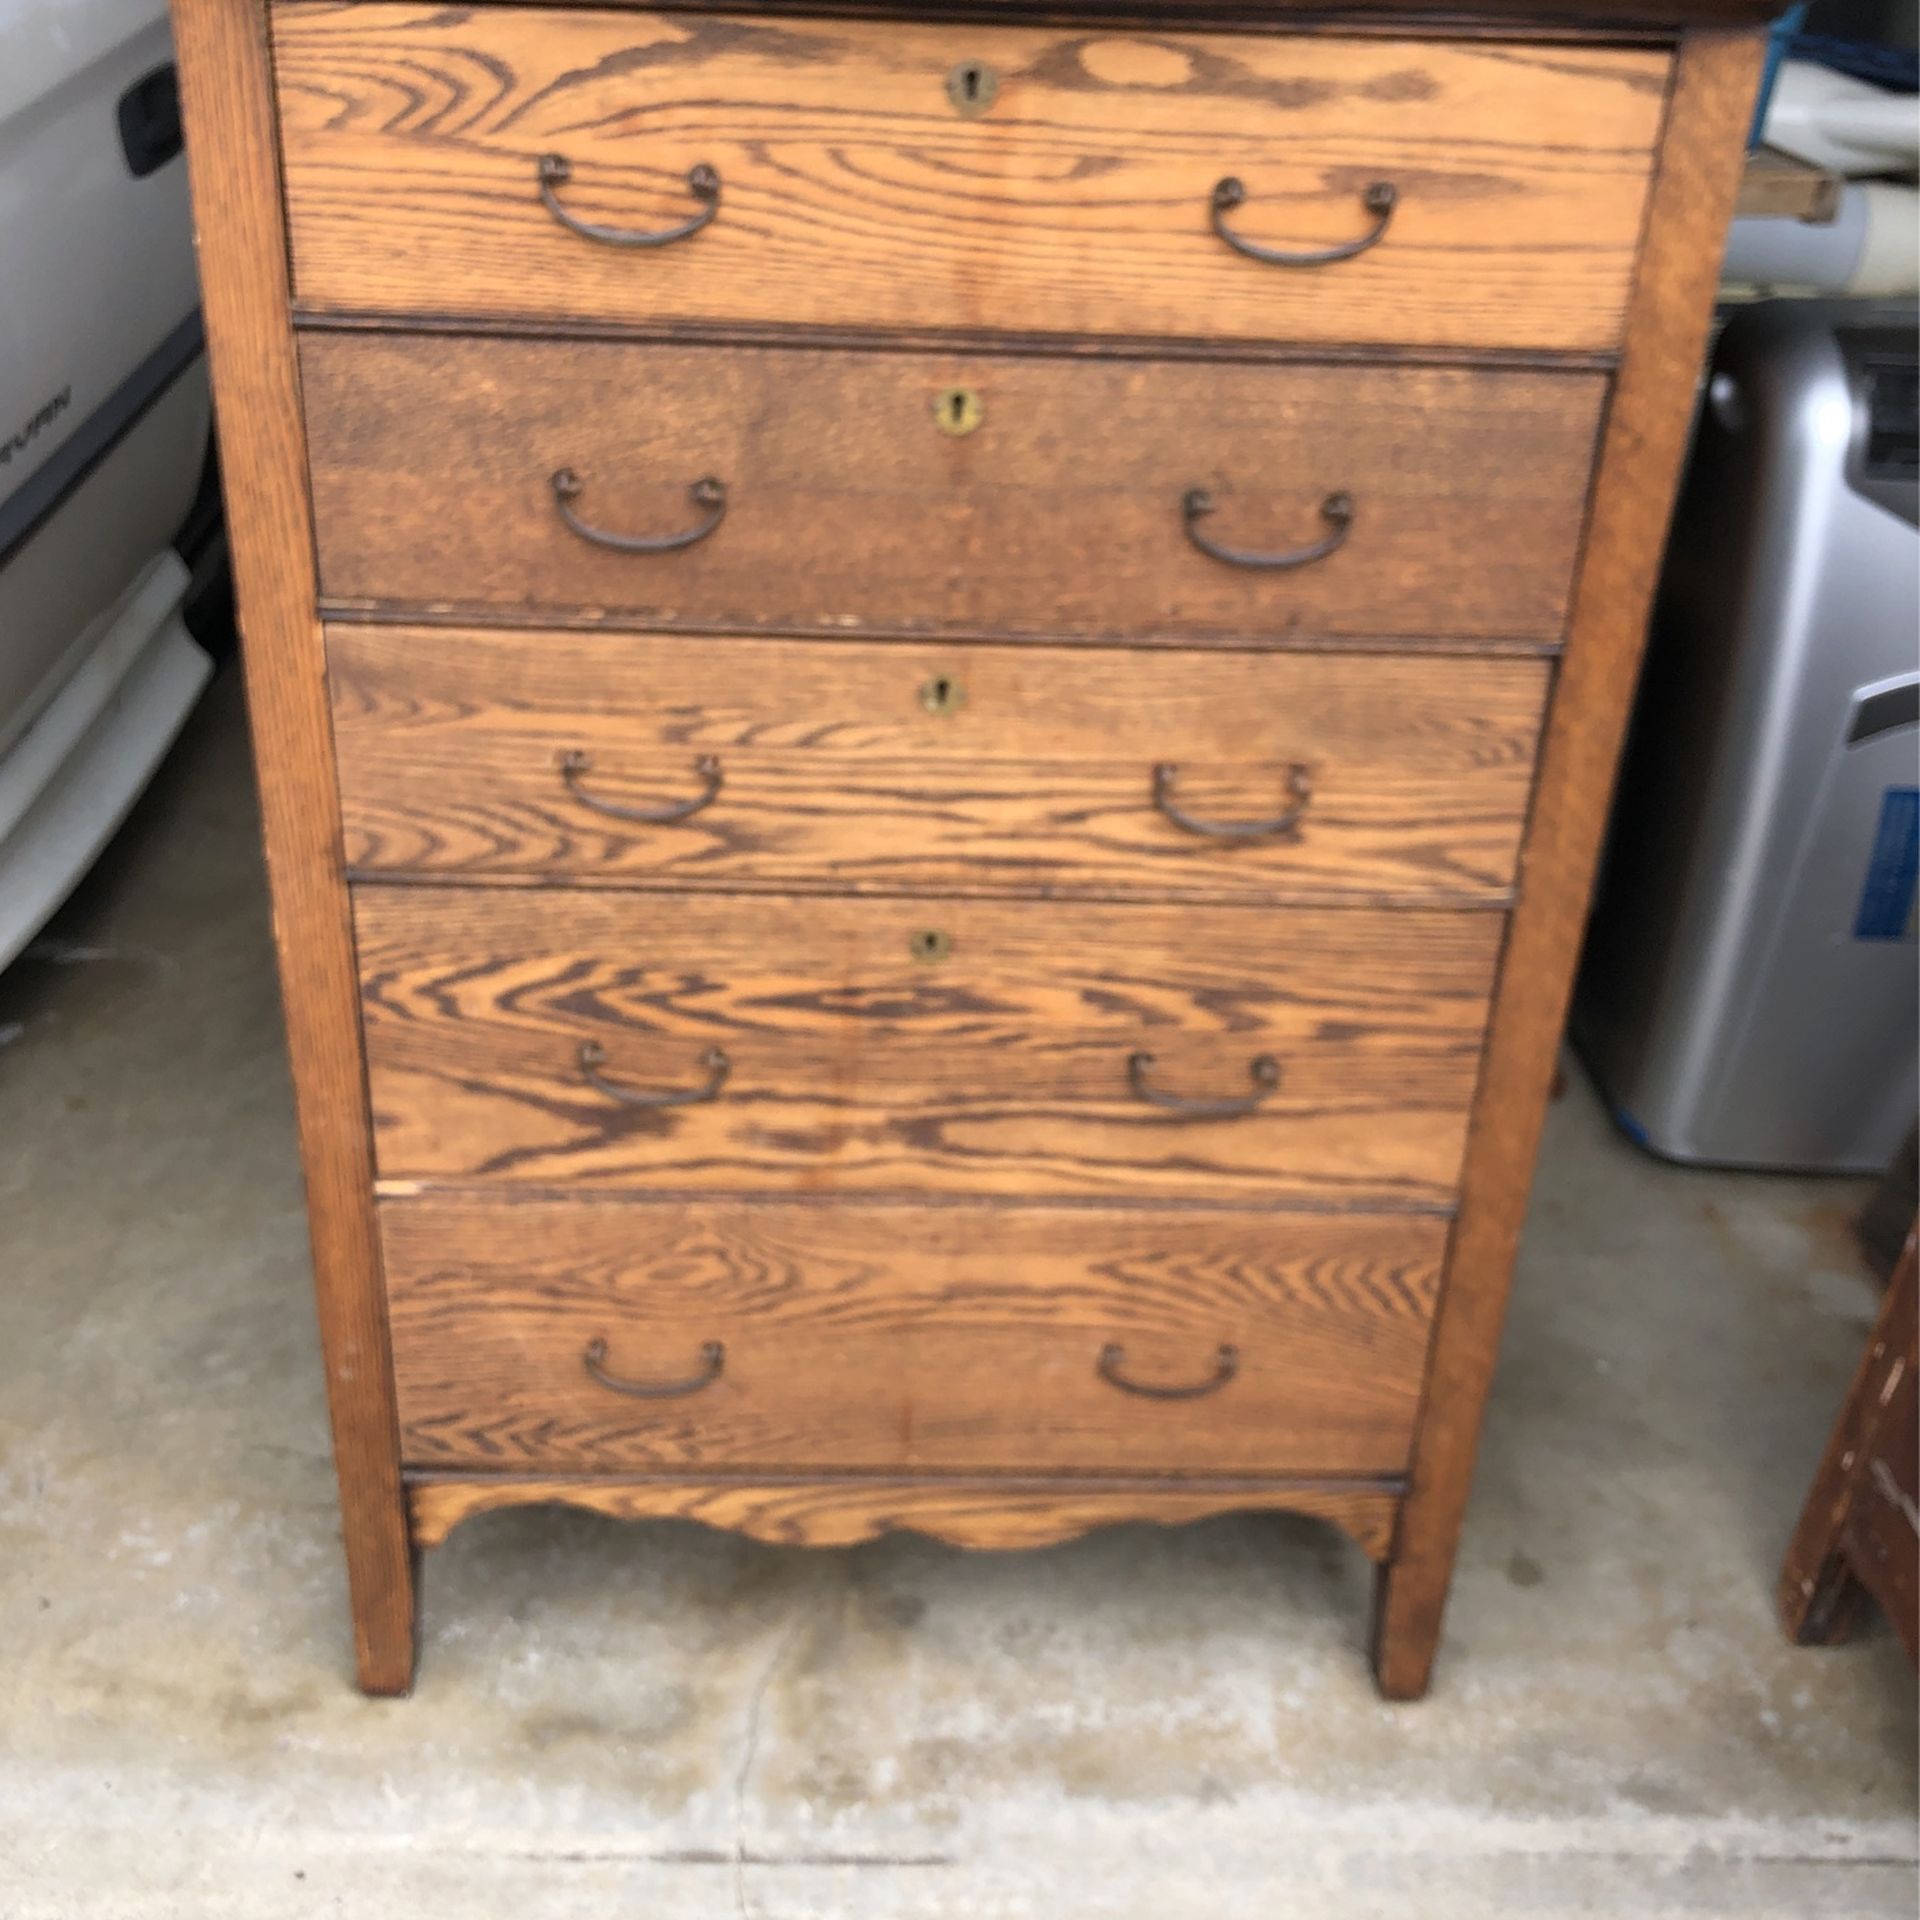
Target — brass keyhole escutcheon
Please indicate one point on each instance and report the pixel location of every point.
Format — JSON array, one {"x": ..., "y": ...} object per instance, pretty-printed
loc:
[
  {"x": 930, "y": 945},
  {"x": 943, "y": 694},
  {"x": 958, "y": 411},
  {"x": 972, "y": 86}
]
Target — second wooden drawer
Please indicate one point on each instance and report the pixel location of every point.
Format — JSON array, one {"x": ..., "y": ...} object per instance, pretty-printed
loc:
[
  {"x": 842, "y": 502},
  {"x": 770, "y": 1044}
]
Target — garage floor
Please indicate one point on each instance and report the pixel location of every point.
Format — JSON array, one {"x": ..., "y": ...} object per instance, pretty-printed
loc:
[{"x": 659, "y": 1721}]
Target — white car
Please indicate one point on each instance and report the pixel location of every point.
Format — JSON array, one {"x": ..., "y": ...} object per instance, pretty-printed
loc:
[{"x": 104, "y": 437}]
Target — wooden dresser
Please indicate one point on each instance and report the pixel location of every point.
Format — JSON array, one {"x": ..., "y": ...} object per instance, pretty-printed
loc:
[{"x": 934, "y": 699}]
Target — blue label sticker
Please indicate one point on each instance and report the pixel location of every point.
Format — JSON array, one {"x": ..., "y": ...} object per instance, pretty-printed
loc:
[{"x": 1887, "y": 900}]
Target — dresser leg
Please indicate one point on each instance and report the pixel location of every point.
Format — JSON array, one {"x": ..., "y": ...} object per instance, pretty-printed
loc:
[
  {"x": 383, "y": 1586},
  {"x": 1406, "y": 1627}
]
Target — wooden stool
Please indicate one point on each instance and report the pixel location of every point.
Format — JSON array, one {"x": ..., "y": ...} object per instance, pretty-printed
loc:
[{"x": 1860, "y": 1527}]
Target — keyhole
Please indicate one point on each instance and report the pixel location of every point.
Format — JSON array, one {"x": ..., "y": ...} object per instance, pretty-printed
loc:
[
  {"x": 942, "y": 694},
  {"x": 957, "y": 411},
  {"x": 972, "y": 87}
]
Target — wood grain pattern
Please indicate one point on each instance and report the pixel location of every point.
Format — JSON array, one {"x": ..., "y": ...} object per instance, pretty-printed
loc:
[
  {"x": 1640, "y": 458},
  {"x": 820, "y": 1511},
  {"x": 236, "y": 192},
  {"x": 850, "y": 511},
  {"x": 1635, "y": 21},
  {"x": 857, "y": 1068},
  {"x": 901, "y": 1338},
  {"x": 1037, "y": 774},
  {"x": 853, "y": 193}
]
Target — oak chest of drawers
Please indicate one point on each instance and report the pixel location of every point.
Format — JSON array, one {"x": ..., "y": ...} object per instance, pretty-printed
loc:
[{"x": 934, "y": 697}]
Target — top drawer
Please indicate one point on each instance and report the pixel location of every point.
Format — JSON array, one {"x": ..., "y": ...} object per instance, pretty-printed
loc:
[{"x": 1030, "y": 180}]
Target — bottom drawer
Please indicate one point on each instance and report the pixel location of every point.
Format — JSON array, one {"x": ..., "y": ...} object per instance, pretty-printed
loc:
[{"x": 569, "y": 1335}]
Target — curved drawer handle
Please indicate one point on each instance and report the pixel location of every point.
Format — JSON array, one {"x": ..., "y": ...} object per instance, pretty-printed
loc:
[
  {"x": 1280, "y": 827},
  {"x": 576, "y": 762},
  {"x": 1379, "y": 200},
  {"x": 713, "y": 1357},
  {"x": 1113, "y": 1356},
  {"x": 1263, "y": 1070},
  {"x": 1336, "y": 510},
  {"x": 702, "y": 182},
  {"x": 709, "y": 495},
  {"x": 593, "y": 1056}
]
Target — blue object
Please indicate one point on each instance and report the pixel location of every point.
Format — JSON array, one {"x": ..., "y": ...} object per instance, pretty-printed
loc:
[
  {"x": 1784, "y": 30},
  {"x": 1887, "y": 899},
  {"x": 1895, "y": 68}
]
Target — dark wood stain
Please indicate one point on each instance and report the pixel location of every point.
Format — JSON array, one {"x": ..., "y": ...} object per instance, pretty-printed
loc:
[
  {"x": 1118, "y": 345},
  {"x": 849, "y": 510},
  {"x": 1857, "y": 1533}
]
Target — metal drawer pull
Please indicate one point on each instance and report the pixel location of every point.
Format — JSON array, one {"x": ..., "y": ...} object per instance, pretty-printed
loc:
[
  {"x": 1113, "y": 1356},
  {"x": 713, "y": 1357},
  {"x": 702, "y": 182},
  {"x": 1336, "y": 510},
  {"x": 1379, "y": 200},
  {"x": 593, "y": 1056},
  {"x": 1279, "y": 827},
  {"x": 577, "y": 761},
  {"x": 709, "y": 495},
  {"x": 1263, "y": 1069}
]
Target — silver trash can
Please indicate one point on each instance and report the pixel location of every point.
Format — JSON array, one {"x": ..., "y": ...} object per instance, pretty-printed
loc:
[{"x": 1748, "y": 995}]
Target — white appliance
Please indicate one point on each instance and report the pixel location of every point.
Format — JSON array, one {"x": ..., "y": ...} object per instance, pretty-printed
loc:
[
  {"x": 1846, "y": 125},
  {"x": 1871, "y": 246},
  {"x": 104, "y": 434}
]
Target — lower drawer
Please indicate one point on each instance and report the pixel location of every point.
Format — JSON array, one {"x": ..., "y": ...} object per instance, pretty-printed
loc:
[
  {"x": 575, "y": 1335},
  {"x": 764, "y": 1044}
]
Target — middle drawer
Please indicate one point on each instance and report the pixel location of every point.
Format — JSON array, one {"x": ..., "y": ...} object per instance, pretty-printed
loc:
[
  {"x": 874, "y": 765},
  {"x": 813, "y": 491},
  {"x": 558, "y": 1039}
]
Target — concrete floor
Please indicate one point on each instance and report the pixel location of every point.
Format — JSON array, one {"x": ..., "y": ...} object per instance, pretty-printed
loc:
[{"x": 659, "y": 1721}]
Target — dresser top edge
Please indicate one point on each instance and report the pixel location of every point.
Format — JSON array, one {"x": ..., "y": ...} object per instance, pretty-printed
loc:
[{"x": 1657, "y": 21}]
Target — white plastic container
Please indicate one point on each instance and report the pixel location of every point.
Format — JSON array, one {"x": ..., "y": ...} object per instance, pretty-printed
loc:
[{"x": 1846, "y": 125}]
